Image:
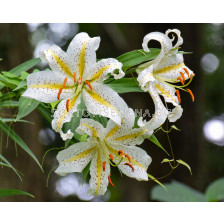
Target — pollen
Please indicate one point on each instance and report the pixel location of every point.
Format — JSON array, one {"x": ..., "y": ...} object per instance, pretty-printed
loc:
[
  {"x": 65, "y": 81},
  {"x": 90, "y": 86},
  {"x": 110, "y": 181},
  {"x": 120, "y": 153},
  {"x": 111, "y": 157},
  {"x": 180, "y": 79},
  {"x": 59, "y": 93},
  {"x": 67, "y": 105},
  {"x": 74, "y": 77},
  {"x": 178, "y": 96},
  {"x": 104, "y": 165},
  {"x": 192, "y": 95},
  {"x": 128, "y": 164},
  {"x": 186, "y": 72},
  {"x": 182, "y": 74},
  {"x": 127, "y": 156}
]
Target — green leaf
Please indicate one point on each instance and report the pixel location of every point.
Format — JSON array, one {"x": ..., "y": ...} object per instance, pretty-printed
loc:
[
  {"x": 154, "y": 179},
  {"x": 155, "y": 141},
  {"x": 25, "y": 66},
  {"x": 22, "y": 84},
  {"x": 9, "y": 75},
  {"x": 24, "y": 75},
  {"x": 7, "y": 96},
  {"x": 215, "y": 191},
  {"x": 124, "y": 85},
  {"x": 18, "y": 140},
  {"x": 9, "y": 165},
  {"x": 137, "y": 57},
  {"x": 9, "y": 103},
  {"x": 177, "y": 192},
  {"x": 85, "y": 172},
  {"x": 26, "y": 106},
  {"x": 185, "y": 164},
  {"x": 54, "y": 104},
  {"x": 45, "y": 112},
  {"x": 9, "y": 192}
]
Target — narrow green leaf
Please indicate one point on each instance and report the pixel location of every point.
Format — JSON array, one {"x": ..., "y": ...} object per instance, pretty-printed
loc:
[
  {"x": 45, "y": 112},
  {"x": 9, "y": 103},
  {"x": 7, "y": 96},
  {"x": 177, "y": 192},
  {"x": 215, "y": 191},
  {"x": 18, "y": 140},
  {"x": 24, "y": 75},
  {"x": 9, "y": 75},
  {"x": 124, "y": 85},
  {"x": 22, "y": 84},
  {"x": 155, "y": 141},
  {"x": 25, "y": 66},
  {"x": 85, "y": 172},
  {"x": 26, "y": 106},
  {"x": 137, "y": 57},
  {"x": 184, "y": 164},
  {"x": 154, "y": 179},
  {"x": 9, "y": 192}
]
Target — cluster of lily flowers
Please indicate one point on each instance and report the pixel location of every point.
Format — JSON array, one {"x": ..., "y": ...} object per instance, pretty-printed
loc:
[{"x": 76, "y": 74}]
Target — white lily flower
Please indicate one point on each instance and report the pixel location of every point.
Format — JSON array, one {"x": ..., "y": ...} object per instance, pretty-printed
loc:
[
  {"x": 160, "y": 76},
  {"x": 113, "y": 145},
  {"x": 76, "y": 74}
]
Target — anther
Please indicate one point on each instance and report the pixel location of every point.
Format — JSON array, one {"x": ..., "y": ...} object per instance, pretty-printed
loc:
[
  {"x": 65, "y": 80},
  {"x": 67, "y": 104},
  {"x": 110, "y": 181},
  {"x": 182, "y": 74},
  {"x": 180, "y": 79},
  {"x": 127, "y": 156},
  {"x": 104, "y": 165},
  {"x": 128, "y": 164},
  {"x": 178, "y": 96},
  {"x": 186, "y": 72},
  {"x": 111, "y": 157},
  {"x": 59, "y": 93},
  {"x": 120, "y": 152},
  {"x": 88, "y": 83},
  {"x": 74, "y": 77},
  {"x": 192, "y": 95},
  {"x": 80, "y": 80}
]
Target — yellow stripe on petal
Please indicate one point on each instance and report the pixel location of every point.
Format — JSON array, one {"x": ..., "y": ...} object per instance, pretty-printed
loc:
[
  {"x": 99, "y": 171},
  {"x": 101, "y": 100},
  {"x": 169, "y": 68},
  {"x": 81, "y": 155},
  {"x": 98, "y": 74},
  {"x": 112, "y": 131},
  {"x": 91, "y": 128},
  {"x": 145, "y": 77},
  {"x": 82, "y": 59},
  {"x": 115, "y": 152},
  {"x": 124, "y": 137},
  {"x": 50, "y": 86},
  {"x": 63, "y": 66},
  {"x": 71, "y": 104},
  {"x": 162, "y": 90}
]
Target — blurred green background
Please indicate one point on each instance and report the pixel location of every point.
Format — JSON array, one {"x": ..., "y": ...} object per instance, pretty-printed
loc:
[{"x": 200, "y": 143}]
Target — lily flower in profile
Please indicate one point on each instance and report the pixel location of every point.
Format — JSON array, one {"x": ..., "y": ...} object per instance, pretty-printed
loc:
[
  {"x": 75, "y": 74},
  {"x": 160, "y": 77},
  {"x": 113, "y": 145}
]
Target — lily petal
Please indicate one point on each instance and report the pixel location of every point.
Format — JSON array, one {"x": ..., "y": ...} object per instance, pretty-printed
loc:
[
  {"x": 44, "y": 86},
  {"x": 179, "y": 38},
  {"x": 99, "y": 177},
  {"x": 76, "y": 157},
  {"x": 98, "y": 73},
  {"x": 140, "y": 161},
  {"x": 104, "y": 101},
  {"x": 82, "y": 53},
  {"x": 58, "y": 61},
  {"x": 62, "y": 116},
  {"x": 175, "y": 114}
]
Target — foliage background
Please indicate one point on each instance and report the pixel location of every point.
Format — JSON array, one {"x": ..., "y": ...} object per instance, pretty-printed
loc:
[{"x": 20, "y": 42}]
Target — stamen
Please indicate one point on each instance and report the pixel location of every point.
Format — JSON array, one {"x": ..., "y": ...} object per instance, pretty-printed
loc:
[
  {"x": 180, "y": 79},
  {"x": 111, "y": 157},
  {"x": 88, "y": 83},
  {"x": 67, "y": 105},
  {"x": 128, "y": 164},
  {"x": 120, "y": 152},
  {"x": 182, "y": 74},
  {"x": 104, "y": 164},
  {"x": 74, "y": 77},
  {"x": 65, "y": 80},
  {"x": 192, "y": 95},
  {"x": 178, "y": 96},
  {"x": 59, "y": 93},
  {"x": 127, "y": 156},
  {"x": 80, "y": 80},
  {"x": 110, "y": 181},
  {"x": 186, "y": 72}
]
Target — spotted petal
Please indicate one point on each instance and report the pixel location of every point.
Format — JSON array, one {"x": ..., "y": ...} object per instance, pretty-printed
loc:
[
  {"x": 44, "y": 86},
  {"x": 76, "y": 157},
  {"x": 104, "y": 101}
]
